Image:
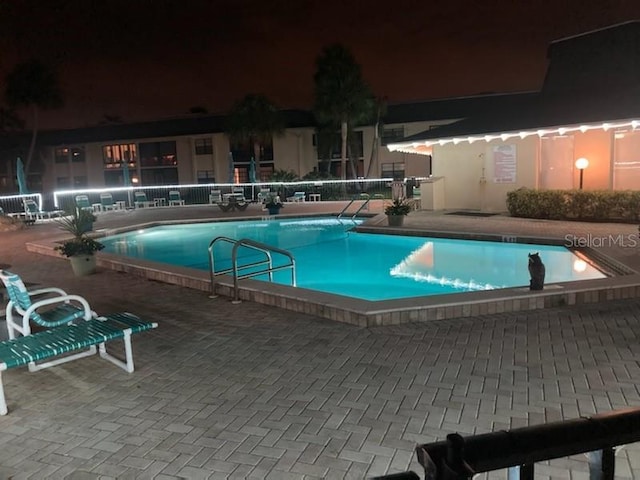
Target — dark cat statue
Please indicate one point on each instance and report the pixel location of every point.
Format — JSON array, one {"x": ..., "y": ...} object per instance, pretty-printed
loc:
[{"x": 536, "y": 272}]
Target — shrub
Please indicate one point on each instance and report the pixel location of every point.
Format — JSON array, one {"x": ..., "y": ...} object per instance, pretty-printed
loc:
[
  {"x": 283, "y": 176},
  {"x": 79, "y": 246},
  {"x": 593, "y": 205}
]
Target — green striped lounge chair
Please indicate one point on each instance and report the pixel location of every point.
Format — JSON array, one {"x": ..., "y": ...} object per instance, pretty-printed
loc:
[
  {"x": 33, "y": 212},
  {"x": 107, "y": 203},
  {"x": 47, "y": 307},
  {"x": 83, "y": 203},
  {"x": 175, "y": 199},
  {"x": 140, "y": 200}
]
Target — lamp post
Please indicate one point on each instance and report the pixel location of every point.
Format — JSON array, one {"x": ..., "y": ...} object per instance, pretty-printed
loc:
[{"x": 581, "y": 164}]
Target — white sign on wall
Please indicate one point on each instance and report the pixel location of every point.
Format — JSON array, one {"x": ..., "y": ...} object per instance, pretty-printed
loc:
[{"x": 504, "y": 164}]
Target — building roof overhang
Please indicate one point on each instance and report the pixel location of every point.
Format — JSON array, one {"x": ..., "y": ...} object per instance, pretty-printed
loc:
[
  {"x": 425, "y": 147},
  {"x": 545, "y": 116}
]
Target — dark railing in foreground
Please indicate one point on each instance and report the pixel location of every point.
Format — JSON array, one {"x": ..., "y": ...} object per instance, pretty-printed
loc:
[{"x": 518, "y": 450}]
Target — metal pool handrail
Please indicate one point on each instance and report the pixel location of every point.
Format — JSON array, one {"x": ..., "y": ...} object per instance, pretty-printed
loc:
[
  {"x": 366, "y": 199},
  {"x": 235, "y": 269}
]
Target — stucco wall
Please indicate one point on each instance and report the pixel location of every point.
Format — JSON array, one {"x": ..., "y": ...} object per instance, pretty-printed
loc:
[
  {"x": 294, "y": 151},
  {"x": 462, "y": 166},
  {"x": 184, "y": 151},
  {"x": 595, "y": 146}
]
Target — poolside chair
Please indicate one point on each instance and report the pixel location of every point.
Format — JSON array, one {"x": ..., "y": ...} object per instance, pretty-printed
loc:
[
  {"x": 107, "y": 203},
  {"x": 231, "y": 203},
  {"x": 83, "y": 203},
  {"x": 140, "y": 200},
  {"x": 32, "y": 212},
  {"x": 174, "y": 198},
  {"x": 215, "y": 196},
  {"x": 47, "y": 307},
  {"x": 297, "y": 197},
  {"x": 238, "y": 193}
]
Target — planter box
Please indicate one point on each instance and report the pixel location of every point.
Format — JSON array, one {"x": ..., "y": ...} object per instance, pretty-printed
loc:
[
  {"x": 83, "y": 265},
  {"x": 395, "y": 220}
]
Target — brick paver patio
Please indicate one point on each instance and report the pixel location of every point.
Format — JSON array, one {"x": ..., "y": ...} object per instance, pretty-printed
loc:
[{"x": 250, "y": 391}]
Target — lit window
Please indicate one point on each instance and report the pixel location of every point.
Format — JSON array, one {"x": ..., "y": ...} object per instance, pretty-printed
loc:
[
  {"x": 62, "y": 155},
  {"x": 114, "y": 155}
]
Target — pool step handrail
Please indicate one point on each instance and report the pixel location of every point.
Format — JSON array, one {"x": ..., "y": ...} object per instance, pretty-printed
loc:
[
  {"x": 236, "y": 269},
  {"x": 346, "y": 208},
  {"x": 365, "y": 204}
]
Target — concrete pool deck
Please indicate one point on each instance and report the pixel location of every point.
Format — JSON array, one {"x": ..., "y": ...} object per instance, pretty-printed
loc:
[
  {"x": 613, "y": 253},
  {"x": 252, "y": 391}
]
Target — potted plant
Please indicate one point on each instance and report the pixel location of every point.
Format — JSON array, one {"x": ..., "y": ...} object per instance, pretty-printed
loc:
[
  {"x": 80, "y": 249},
  {"x": 396, "y": 212},
  {"x": 273, "y": 204}
]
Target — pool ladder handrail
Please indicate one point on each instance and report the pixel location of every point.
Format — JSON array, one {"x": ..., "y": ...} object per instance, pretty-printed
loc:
[
  {"x": 235, "y": 269},
  {"x": 362, "y": 196}
]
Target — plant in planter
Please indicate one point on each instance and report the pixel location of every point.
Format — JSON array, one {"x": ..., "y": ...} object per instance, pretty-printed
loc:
[
  {"x": 77, "y": 222},
  {"x": 396, "y": 212},
  {"x": 80, "y": 249},
  {"x": 273, "y": 204}
]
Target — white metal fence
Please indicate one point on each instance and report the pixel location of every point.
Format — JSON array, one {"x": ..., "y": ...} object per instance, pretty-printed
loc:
[
  {"x": 15, "y": 203},
  {"x": 198, "y": 194},
  {"x": 202, "y": 193}
]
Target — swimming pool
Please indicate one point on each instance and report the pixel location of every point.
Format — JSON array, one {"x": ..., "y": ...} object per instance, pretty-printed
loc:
[{"x": 332, "y": 259}]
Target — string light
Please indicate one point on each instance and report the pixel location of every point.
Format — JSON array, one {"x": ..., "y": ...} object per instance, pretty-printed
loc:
[{"x": 606, "y": 126}]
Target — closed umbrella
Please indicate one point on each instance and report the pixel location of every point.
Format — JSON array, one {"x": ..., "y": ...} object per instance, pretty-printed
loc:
[
  {"x": 22, "y": 179},
  {"x": 252, "y": 171}
]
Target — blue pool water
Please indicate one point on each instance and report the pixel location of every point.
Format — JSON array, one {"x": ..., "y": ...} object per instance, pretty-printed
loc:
[{"x": 368, "y": 266}]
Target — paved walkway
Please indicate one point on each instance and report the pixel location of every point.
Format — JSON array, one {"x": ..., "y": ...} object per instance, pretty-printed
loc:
[{"x": 250, "y": 391}]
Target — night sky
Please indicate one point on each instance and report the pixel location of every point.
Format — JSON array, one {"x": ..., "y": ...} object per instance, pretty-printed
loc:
[{"x": 147, "y": 59}]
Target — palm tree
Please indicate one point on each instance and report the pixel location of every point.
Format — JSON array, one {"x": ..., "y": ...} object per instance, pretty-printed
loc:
[
  {"x": 33, "y": 84},
  {"x": 342, "y": 98},
  {"x": 325, "y": 141},
  {"x": 381, "y": 109},
  {"x": 256, "y": 120},
  {"x": 9, "y": 120}
]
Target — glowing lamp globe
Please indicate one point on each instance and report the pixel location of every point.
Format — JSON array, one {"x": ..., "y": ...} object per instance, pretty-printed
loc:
[{"x": 582, "y": 163}]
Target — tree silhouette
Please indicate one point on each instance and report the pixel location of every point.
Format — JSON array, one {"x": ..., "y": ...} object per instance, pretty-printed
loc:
[
  {"x": 256, "y": 120},
  {"x": 342, "y": 98},
  {"x": 9, "y": 120},
  {"x": 33, "y": 84}
]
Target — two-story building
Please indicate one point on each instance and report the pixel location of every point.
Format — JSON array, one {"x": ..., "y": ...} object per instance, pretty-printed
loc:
[{"x": 195, "y": 149}]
